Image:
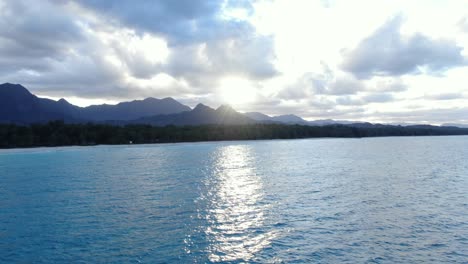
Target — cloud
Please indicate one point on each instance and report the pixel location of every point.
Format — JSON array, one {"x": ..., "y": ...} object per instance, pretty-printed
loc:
[
  {"x": 202, "y": 65},
  {"x": 389, "y": 53},
  {"x": 326, "y": 3},
  {"x": 341, "y": 114},
  {"x": 463, "y": 24},
  {"x": 119, "y": 49},
  {"x": 392, "y": 84},
  {"x": 204, "y": 44},
  {"x": 431, "y": 116},
  {"x": 31, "y": 35},
  {"x": 365, "y": 99},
  {"x": 181, "y": 22},
  {"x": 123, "y": 50},
  {"x": 327, "y": 82},
  {"x": 378, "y": 98},
  {"x": 343, "y": 86},
  {"x": 445, "y": 96}
]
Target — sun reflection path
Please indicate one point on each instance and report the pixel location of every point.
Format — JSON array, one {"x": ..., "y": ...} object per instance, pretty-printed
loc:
[{"x": 236, "y": 211}]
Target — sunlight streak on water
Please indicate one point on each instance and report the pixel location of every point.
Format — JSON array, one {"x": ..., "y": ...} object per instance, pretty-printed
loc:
[{"x": 235, "y": 210}]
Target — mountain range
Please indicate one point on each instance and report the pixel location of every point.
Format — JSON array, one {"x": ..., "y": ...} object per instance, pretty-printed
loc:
[
  {"x": 19, "y": 106},
  {"x": 200, "y": 115}
]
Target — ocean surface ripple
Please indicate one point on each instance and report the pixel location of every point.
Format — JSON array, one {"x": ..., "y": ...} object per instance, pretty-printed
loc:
[{"x": 372, "y": 200}]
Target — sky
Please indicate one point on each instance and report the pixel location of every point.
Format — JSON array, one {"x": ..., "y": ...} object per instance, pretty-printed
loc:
[{"x": 392, "y": 61}]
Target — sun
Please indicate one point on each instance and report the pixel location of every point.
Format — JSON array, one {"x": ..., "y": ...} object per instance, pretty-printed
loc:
[{"x": 236, "y": 91}]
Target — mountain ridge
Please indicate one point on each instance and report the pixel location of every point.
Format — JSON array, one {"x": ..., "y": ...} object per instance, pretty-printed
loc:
[
  {"x": 19, "y": 105},
  {"x": 200, "y": 115}
]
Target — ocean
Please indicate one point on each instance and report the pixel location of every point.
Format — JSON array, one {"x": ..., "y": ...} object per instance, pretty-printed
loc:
[{"x": 369, "y": 200}]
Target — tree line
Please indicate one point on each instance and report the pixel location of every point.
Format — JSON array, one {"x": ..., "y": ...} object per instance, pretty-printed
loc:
[{"x": 58, "y": 133}]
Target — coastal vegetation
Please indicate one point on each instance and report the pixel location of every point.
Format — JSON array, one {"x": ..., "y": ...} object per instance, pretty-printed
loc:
[{"x": 58, "y": 133}]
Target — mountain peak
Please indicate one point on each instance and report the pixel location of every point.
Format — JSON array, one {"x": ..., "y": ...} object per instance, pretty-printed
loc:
[
  {"x": 12, "y": 86},
  {"x": 225, "y": 108},
  {"x": 7, "y": 84},
  {"x": 150, "y": 99},
  {"x": 11, "y": 89},
  {"x": 289, "y": 119},
  {"x": 65, "y": 103},
  {"x": 258, "y": 116},
  {"x": 201, "y": 107}
]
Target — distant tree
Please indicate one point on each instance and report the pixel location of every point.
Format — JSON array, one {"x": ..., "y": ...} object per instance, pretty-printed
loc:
[{"x": 58, "y": 133}]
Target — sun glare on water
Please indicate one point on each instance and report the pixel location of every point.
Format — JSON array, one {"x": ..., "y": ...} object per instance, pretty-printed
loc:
[{"x": 236, "y": 91}]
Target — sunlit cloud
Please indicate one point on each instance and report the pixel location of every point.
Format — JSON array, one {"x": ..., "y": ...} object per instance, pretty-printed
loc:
[{"x": 318, "y": 59}]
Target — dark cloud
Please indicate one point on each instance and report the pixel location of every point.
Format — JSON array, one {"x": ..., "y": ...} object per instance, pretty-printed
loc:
[
  {"x": 388, "y": 53},
  {"x": 32, "y": 35},
  {"x": 77, "y": 75},
  {"x": 181, "y": 21}
]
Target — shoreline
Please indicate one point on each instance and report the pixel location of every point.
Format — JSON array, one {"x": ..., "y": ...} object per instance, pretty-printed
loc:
[{"x": 220, "y": 141}]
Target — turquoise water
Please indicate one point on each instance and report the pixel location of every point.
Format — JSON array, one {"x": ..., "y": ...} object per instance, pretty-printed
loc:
[{"x": 374, "y": 200}]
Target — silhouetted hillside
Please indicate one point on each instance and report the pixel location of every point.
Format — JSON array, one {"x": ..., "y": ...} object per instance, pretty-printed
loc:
[
  {"x": 133, "y": 110},
  {"x": 200, "y": 115},
  {"x": 19, "y": 106},
  {"x": 286, "y": 119}
]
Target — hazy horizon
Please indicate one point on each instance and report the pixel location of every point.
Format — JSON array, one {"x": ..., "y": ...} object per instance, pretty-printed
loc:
[{"x": 221, "y": 104}]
